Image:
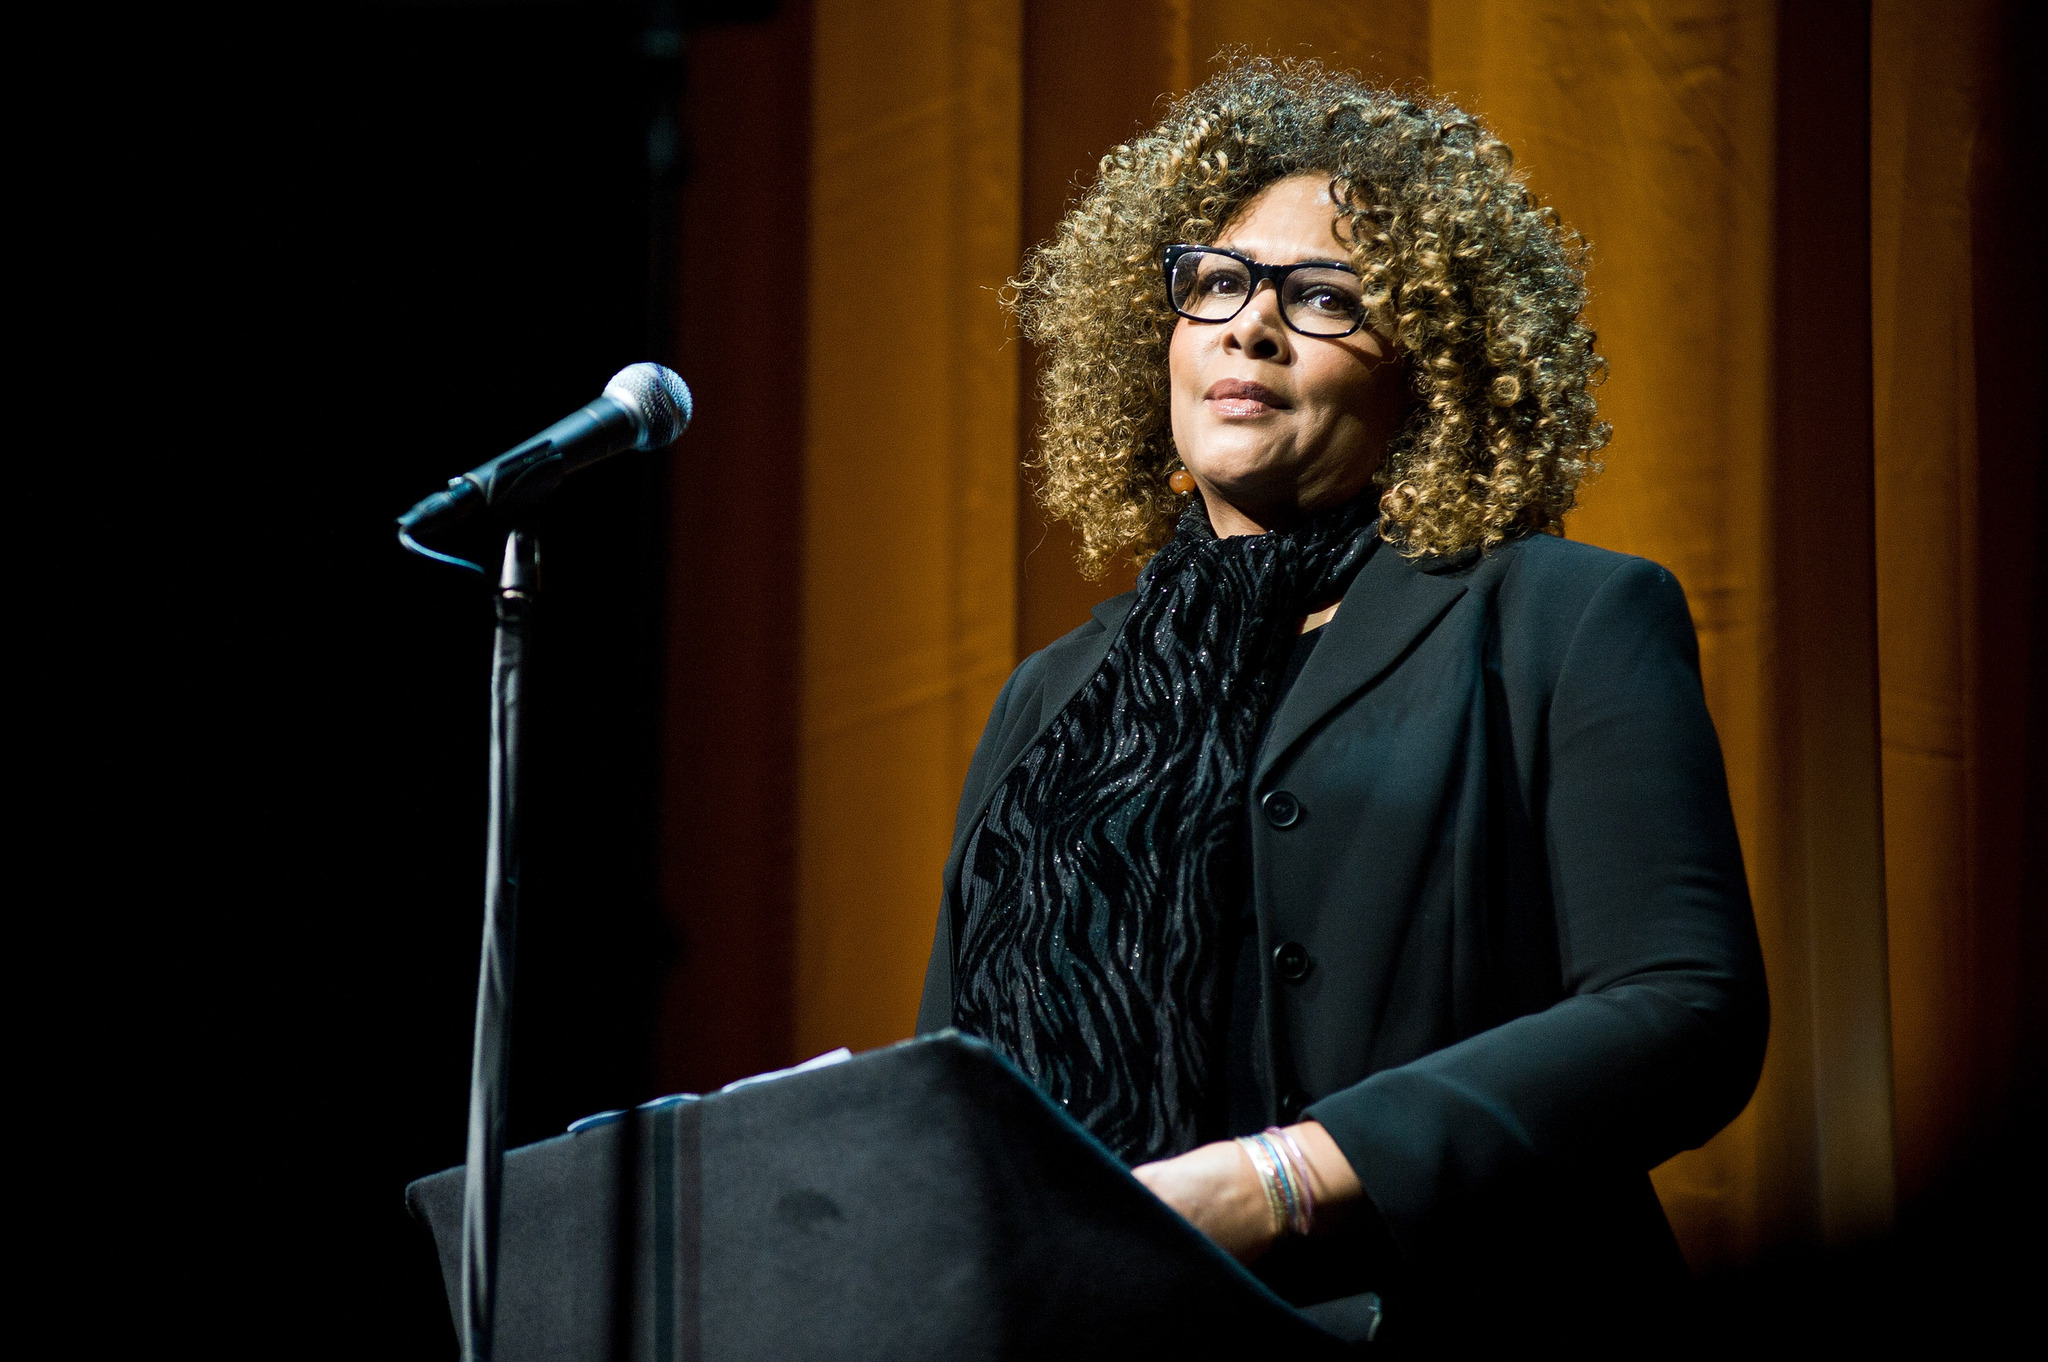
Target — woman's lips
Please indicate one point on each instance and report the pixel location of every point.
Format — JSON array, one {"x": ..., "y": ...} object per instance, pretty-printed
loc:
[{"x": 1242, "y": 397}]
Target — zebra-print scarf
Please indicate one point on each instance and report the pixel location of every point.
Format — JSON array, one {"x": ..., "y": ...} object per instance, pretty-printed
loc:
[{"x": 1098, "y": 883}]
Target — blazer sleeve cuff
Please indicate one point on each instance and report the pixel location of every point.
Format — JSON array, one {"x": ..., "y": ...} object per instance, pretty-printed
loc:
[{"x": 1415, "y": 1158}]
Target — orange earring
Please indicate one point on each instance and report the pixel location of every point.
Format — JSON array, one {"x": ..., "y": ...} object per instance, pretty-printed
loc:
[{"x": 1182, "y": 481}]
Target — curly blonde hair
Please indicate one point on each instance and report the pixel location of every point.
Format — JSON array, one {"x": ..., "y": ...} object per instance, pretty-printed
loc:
[{"x": 1476, "y": 284}]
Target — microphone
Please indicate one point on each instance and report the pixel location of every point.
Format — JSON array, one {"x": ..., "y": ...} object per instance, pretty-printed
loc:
[{"x": 645, "y": 406}]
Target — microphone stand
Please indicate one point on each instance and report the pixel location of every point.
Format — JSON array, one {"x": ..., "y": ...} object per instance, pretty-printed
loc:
[
  {"x": 644, "y": 407},
  {"x": 483, "y": 1177}
]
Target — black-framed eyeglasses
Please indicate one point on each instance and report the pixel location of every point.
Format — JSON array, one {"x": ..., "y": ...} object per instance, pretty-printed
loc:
[{"x": 1321, "y": 298}]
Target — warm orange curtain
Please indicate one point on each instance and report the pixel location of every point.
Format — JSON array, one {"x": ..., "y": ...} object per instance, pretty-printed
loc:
[
  {"x": 1799, "y": 219},
  {"x": 728, "y": 756},
  {"x": 1957, "y": 325},
  {"x": 908, "y": 608},
  {"x": 1656, "y": 135}
]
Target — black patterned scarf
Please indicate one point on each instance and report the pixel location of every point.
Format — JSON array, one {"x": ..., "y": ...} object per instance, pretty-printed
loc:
[{"x": 1097, "y": 886}]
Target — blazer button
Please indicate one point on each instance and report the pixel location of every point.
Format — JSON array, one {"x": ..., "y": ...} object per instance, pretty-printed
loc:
[
  {"x": 1292, "y": 1103},
  {"x": 1292, "y": 961},
  {"x": 1283, "y": 810}
]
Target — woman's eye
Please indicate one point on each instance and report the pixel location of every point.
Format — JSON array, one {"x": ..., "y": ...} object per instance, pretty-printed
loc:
[
  {"x": 1220, "y": 284},
  {"x": 1334, "y": 301}
]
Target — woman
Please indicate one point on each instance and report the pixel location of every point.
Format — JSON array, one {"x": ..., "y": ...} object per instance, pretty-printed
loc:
[{"x": 1379, "y": 814}]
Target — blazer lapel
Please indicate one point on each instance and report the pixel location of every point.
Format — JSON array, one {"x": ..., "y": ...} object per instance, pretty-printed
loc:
[
  {"x": 1391, "y": 603},
  {"x": 1062, "y": 685}
]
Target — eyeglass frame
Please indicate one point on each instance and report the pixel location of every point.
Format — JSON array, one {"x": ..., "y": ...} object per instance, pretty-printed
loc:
[{"x": 1261, "y": 273}]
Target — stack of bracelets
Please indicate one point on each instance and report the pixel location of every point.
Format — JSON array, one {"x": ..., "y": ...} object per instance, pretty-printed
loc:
[{"x": 1283, "y": 1172}]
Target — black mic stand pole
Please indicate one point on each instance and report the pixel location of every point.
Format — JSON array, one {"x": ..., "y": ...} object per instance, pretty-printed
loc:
[{"x": 518, "y": 585}]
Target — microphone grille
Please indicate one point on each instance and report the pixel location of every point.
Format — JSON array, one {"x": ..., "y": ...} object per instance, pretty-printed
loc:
[{"x": 658, "y": 397}]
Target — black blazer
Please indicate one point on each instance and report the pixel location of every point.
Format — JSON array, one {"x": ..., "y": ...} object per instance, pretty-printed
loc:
[{"x": 1510, "y": 959}]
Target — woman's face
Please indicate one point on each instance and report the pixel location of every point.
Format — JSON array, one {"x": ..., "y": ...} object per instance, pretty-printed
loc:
[{"x": 1273, "y": 424}]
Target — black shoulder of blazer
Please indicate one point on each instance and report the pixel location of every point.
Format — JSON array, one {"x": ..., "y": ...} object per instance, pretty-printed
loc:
[{"x": 1533, "y": 972}]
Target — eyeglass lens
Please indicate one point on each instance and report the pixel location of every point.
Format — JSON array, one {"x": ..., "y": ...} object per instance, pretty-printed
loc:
[{"x": 1316, "y": 302}]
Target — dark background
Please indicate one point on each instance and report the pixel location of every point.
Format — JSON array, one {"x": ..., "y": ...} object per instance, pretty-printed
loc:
[{"x": 465, "y": 218}]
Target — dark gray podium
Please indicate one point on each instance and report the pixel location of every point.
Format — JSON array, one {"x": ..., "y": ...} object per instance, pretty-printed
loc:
[{"x": 917, "y": 1202}]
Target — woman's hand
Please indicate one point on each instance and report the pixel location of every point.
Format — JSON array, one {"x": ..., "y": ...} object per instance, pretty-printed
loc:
[{"x": 1216, "y": 1189}]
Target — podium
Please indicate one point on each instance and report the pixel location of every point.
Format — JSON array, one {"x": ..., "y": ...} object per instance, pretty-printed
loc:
[{"x": 917, "y": 1202}]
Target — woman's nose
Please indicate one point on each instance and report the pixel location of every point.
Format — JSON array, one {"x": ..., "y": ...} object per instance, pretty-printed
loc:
[{"x": 1257, "y": 328}]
